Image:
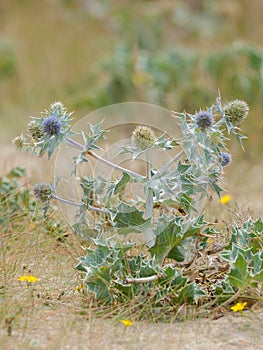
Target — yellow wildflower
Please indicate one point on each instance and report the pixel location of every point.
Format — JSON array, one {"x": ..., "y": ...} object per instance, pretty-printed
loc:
[
  {"x": 127, "y": 323},
  {"x": 210, "y": 241},
  {"x": 225, "y": 199},
  {"x": 79, "y": 288},
  {"x": 29, "y": 279},
  {"x": 238, "y": 306}
]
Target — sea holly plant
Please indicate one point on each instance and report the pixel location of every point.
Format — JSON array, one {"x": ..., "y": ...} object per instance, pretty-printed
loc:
[{"x": 166, "y": 270}]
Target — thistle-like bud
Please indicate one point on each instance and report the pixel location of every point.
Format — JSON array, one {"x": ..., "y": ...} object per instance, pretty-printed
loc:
[
  {"x": 57, "y": 107},
  {"x": 42, "y": 191},
  {"x": 19, "y": 142},
  {"x": 143, "y": 137},
  {"x": 52, "y": 125},
  {"x": 225, "y": 158},
  {"x": 35, "y": 130},
  {"x": 236, "y": 111},
  {"x": 204, "y": 120}
]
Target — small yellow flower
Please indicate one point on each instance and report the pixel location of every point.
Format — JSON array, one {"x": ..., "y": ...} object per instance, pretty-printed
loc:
[
  {"x": 225, "y": 199},
  {"x": 210, "y": 241},
  {"x": 29, "y": 279},
  {"x": 127, "y": 323},
  {"x": 238, "y": 306},
  {"x": 79, "y": 288}
]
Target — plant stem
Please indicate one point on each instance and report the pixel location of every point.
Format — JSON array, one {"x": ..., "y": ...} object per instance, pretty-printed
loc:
[
  {"x": 149, "y": 207},
  {"x": 67, "y": 201},
  {"x": 167, "y": 166},
  {"x": 220, "y": 122},
  {"x": 105, "y": 161},
  {"x": 234, "y": 297},
  {"x": 71, "y": 142},
  {"x": 99, "y": 210},
  {"x": 149, "y": 199},
  {"x": 139, "y": 280},
  {"x": 230, "y": 300}
]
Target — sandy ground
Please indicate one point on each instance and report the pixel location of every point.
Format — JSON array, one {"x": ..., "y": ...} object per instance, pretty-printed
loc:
[{"x": 59, "y": 329}]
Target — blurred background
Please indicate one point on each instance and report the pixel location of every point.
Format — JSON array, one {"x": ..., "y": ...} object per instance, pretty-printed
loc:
[{"x": 173, "y": 53}]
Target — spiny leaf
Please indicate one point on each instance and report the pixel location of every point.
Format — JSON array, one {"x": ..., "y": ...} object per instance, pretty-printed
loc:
[
  {"x": 238, "y": 275},
  {"x": 172, "y": 235},
  {"x": 129, "y": 219},
  {"x": 120, "y": 185}
]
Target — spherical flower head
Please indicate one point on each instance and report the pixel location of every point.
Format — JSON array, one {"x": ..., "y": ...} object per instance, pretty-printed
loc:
[
  {"x": 236, "y": 111},
  {"x": 143, "y": 137},
  {"x": 19, "y": 142},
  {"x": 52, "y": 125},
  {"x": 204, "y": 120},
  {"x": 35, "y": 130},
  {"x": 42, "y": 191},
  {"x": 225, "y": 158}
]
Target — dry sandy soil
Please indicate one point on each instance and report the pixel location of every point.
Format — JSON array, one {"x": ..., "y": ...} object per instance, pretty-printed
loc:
[{"x": 61, "y": 329}]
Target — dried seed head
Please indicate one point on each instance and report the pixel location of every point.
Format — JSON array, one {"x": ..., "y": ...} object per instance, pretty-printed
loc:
[
  {"x": 143, "y": 137},
  {"x": 204, "y": 120},
  {"x": 225, "y": 159},
  {"x": 52, "y": 125},
  {"x": 42, "y": 191},
  {"x": 19, "y": 142},
  {"x": 236, "y": 111},
  {"x": 35, "y": 130},
  {"x": 57, "y": 107}
]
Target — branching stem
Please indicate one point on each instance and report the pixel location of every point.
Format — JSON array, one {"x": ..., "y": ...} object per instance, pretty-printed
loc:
[
  {"x": 105, "y": 161},
  {"x": 90, "y": 207},
  {"x": 66, "y": 201},
  {"x": 167, "y": 166}
]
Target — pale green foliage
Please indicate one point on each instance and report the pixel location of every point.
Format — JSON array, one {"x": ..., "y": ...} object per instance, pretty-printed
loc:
[
  {"x": 245, "y": 255},
  {"x": 108, "y": 268},
  {"x": 168, "y": 216}
]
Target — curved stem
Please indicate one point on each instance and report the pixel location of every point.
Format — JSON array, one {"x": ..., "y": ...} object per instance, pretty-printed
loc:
[
  {"x": 99, "y": 210},
  {"x": 105, "y": 161},
  {"x": 67, "y": 201},
  {"x": 233, "y": 298},
  {"x": 108, "y": 162},
  {"x": 230, "y": 300}
]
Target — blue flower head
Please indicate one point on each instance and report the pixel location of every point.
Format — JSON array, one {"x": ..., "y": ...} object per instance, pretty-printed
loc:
[
  {"x": 204, "y": 120},
  {"x": 225, "y": 158},
  {"x": 52, "y": 125}
]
